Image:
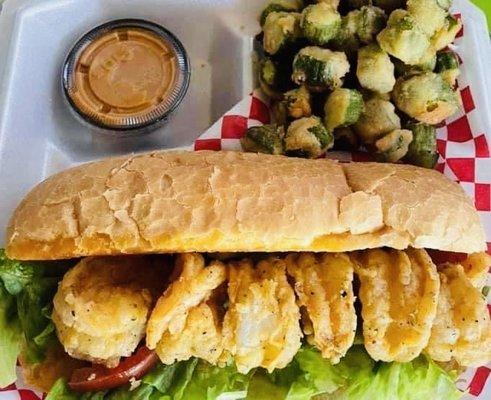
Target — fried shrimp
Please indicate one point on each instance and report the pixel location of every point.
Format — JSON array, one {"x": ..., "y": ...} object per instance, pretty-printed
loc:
[
  {"x": 462, "y": 327},
  {"x": 102, "y": 306},
  {"x": 398, "y": 293},
  {"x": 200, "y": 337},
  {"x": 476, "y": 267},
  {"x": 262, "y": 324},
  {"x": 324, "y": 286},
  {"x": 194, "y": 285},
  {"x": 256, "y": 313}
]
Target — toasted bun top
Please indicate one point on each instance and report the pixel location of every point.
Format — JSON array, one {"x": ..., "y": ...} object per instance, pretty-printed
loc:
[{"x": 228, "y": 201}]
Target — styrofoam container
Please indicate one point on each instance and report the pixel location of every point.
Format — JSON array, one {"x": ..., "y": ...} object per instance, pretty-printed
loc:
[{"x": 39, "y": 135}]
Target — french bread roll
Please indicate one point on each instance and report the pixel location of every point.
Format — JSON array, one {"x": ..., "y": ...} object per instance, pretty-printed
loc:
[{"x": 229, "y": 202}]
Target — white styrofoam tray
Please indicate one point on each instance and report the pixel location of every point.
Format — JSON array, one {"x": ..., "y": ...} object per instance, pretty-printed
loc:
[{"x": 38, "y": 134}]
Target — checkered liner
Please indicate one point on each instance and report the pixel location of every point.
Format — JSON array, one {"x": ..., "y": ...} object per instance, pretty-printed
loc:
[{"x": 465, "y": 157}]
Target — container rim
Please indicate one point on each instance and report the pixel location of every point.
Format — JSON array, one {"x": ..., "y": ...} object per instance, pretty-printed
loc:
[{"x": 177, "y": 95}]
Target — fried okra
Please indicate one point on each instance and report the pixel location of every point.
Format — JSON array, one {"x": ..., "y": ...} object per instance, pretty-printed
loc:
[
  {"x": 294, "y": 104},
  {"x": 333, "y": 3},
  {"x": 403, "y": 38},
  {"x": 319, "y": 68},
  {"x": 375, "y": 71},
  {"x": 280, "y": 6},
  {"x": 377, "y": 119},
  {"x": 428, "y": 14},
  {"x": 447, "y": 65},
  {"x": 446, "y": 35},
  {"x": 307, "y": 137},
  {"x": 298, "y": 103},
  {"x": 320, "y": 23},
  {"x": 400, "y": 68},
  {"x": 445, "y": 4},
  {"x": 274, "y": 77},
  {"x": 264, "y": 139},
  {"x": 280, "y": 29},
  {"x": 426, "y": 97},
  {"x": 346, "y": 40},
  {"x": 371, "y": 20},
  {"x": 360, "y": 26},
  {"x": 279, "y": 115},
  {"x": 422, "y": 150},
  {"x": 427, "y": 63},
  {"x": 343, "y": 107},
  {"x": 386, "y": 5},
  {"x": 393, "y": 146},
  {"x": 268, "y": 73}
]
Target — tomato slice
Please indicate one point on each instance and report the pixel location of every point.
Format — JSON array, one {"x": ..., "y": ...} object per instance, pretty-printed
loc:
[{"x": 99, "y": 377}]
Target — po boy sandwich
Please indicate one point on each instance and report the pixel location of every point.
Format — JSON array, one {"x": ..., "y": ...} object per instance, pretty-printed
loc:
[{"x": 223, "y": 275}]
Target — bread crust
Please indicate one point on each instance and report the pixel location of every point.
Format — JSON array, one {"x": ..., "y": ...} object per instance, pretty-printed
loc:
[{"x": 209, "y": 201}]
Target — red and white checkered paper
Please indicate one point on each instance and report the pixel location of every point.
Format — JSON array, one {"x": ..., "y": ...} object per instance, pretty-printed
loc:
[{"x": 464, "y": 147}]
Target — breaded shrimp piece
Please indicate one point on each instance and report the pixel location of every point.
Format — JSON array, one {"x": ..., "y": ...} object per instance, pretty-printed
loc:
[
  {"x": 194, "y": 285},
  {"x": 398, "y": 293},
  {"x": 200, "y": 337},
  {"x": 102, "y": 306},
  {"x": 324, "y": 286},
  {"x": 262, "y": 324},
  {"x": 476, "y": 268},
  {"x": 99, "y": 349},
  {"x": 462, "y": 327}
]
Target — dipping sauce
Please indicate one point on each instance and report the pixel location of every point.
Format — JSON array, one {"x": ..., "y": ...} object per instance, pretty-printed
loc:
[{"x": 126, "y": 76}]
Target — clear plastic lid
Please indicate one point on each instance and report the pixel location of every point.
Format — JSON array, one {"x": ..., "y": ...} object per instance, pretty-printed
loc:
[{"x": 126, "y": 76}]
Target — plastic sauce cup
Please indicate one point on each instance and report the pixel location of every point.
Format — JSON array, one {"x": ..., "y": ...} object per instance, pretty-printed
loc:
[{"x": 126, "y": 77}]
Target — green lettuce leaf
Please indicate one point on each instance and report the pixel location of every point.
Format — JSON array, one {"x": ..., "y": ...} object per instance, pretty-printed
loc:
[
  {"x": 163, "y": 378},
  {"x": 185, "y": 380},
  {"x": 26, "y": 301},
  {"x": 210, "y": 383},
  {"x": 355, "y": 377},
  {"x": 15, "y": 275},
  {"x": 164, "y": 382},
  {"x": 419, "y": 379},
  {"x": 10, "y": 334},
  {"x": 308, "y": 376},
  {"x": 34, "y": 306},
  {"x": 61, "y": 391}
]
